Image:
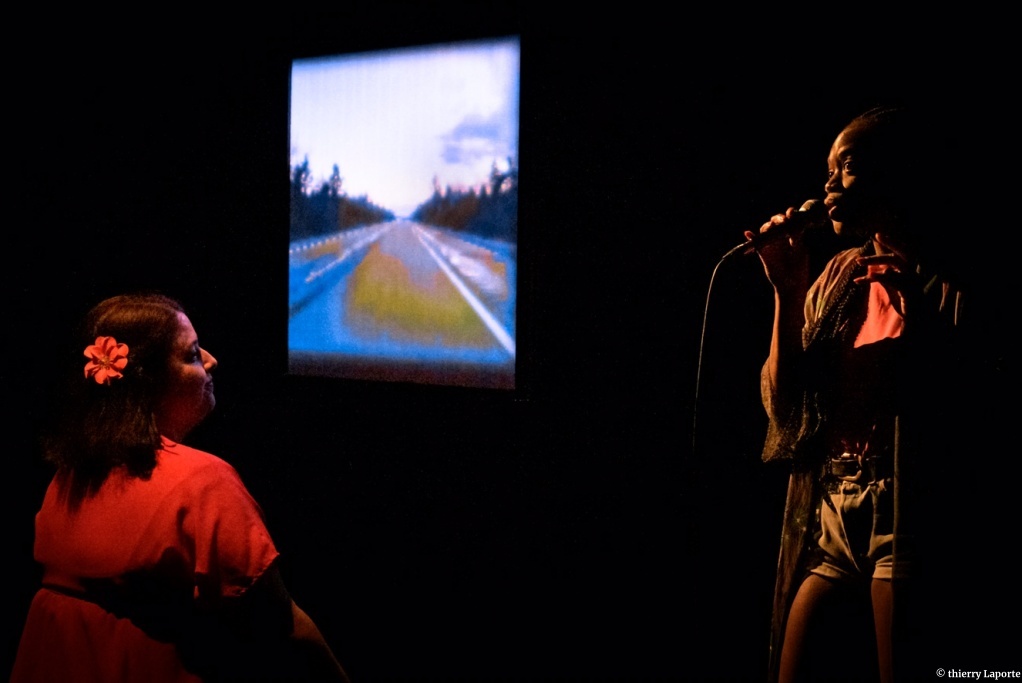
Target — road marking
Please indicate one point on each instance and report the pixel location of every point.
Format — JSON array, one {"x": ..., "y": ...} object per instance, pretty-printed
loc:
[
  {"x": 491, "y": 323},
  {"x": 366, "y": 237}
]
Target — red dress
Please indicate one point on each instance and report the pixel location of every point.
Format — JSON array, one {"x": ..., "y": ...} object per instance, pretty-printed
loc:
[{"x": 128, "y": 576}]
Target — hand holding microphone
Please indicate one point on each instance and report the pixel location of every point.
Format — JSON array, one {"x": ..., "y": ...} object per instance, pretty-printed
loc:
[{"x": 810, "y": 217}]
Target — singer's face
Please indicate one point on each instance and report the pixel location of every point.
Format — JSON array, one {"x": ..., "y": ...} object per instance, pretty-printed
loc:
[{"x": 855, "y": 202}]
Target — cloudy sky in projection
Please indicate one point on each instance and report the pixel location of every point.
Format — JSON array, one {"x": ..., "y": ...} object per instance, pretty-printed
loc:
[{"x": 393, "y": 121}]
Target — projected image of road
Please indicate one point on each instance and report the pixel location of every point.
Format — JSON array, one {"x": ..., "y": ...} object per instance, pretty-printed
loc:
[
  {"x": 403, "y": 225},
  {"x": 402, "y": 300}
]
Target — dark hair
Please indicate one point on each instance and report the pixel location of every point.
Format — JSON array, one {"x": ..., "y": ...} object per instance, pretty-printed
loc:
[
  {"x": 103, "y": 426},
  {"x": 892, "y": 144},
  {"x": 885, "y": 137}
]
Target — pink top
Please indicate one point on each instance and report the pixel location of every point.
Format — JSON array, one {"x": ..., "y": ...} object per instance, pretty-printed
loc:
[
  {"x": 883, "y": 321},
  {"x": 124, "y": 574}
]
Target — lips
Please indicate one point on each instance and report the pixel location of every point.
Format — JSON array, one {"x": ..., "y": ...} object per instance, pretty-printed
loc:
[{"x": 833, "y": 207}]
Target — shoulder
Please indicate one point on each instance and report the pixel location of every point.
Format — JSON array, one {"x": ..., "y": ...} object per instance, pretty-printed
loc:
[
  {"x": 840, "y": 262},
  {"x": 833, "y": 271},
  {"x": 198, "y": 468},
  {"x": 205, "y": 484},
  {"x": 224, "y": 523}
]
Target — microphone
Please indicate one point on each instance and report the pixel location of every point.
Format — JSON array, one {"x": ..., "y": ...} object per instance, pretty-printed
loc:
[{"x": 812, "y": 215}]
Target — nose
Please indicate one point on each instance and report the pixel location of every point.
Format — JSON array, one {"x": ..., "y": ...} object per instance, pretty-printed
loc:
[
  {"x": 208, "y": 361},
  {"x": 832, "y": 181}
]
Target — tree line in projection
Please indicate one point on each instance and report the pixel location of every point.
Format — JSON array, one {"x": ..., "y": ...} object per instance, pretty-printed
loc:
[
  {"x": 327, "y": 209},
  {"x": 490, "y": 211}
]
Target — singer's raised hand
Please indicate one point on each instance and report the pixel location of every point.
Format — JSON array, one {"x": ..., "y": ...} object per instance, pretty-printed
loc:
[{"x": 893, "y": 269}]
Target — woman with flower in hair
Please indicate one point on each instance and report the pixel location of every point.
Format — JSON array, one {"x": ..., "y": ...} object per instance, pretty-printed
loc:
[
  {"x": 856, "y": 387},
  {"x": 157, "y": 563}
]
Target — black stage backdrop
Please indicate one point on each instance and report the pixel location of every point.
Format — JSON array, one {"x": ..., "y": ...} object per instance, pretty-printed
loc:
[{"x": 600, "y": 522}]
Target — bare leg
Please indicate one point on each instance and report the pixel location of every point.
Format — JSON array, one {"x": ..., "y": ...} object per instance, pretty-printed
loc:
[
  {"x": 880, "y": 591},
  {"x": 802, "y": 623}
]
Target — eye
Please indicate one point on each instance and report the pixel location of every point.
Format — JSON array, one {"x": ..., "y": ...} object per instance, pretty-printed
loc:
[{"x": 848, "y": 166}]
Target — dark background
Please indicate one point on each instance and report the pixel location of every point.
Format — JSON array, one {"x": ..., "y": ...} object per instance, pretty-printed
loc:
[{"x": 605, "y": 520}]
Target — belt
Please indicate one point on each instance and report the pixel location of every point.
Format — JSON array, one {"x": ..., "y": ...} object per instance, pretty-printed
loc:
[{"x": 852, "y": 467}]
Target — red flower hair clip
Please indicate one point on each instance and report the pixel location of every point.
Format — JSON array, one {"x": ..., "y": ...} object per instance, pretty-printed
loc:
[{"x": 106, "y": 360}]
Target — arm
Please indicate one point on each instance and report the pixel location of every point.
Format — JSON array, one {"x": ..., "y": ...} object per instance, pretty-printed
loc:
[
  {"x": 786, "y": 265},
  {"x": 779, "y": 386},
  {"x": 313, "y": 648},
  {"x": 279, "y": 636},
  {"x": 259, "y": 632}
]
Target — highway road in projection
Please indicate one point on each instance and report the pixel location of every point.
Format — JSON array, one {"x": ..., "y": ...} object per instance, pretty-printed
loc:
[{"x": 406, "y": 295}]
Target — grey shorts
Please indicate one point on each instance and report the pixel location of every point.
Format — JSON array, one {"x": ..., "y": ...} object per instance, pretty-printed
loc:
[{"x": 855, "y": 530}]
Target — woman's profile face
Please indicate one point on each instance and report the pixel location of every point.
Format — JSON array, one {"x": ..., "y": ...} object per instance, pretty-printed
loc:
[
  {"x": 857, "y": 187},
  {"x": 188, "y": 394}
]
